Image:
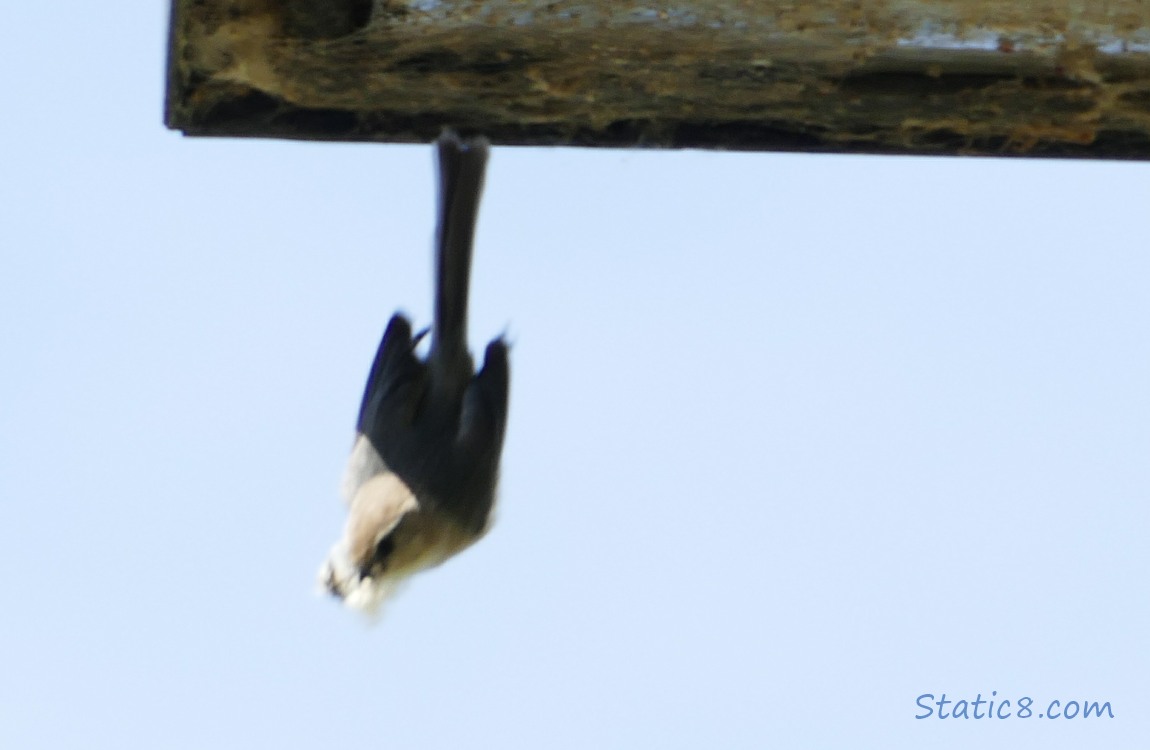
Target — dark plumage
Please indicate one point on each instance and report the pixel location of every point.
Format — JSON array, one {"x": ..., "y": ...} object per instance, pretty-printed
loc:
[{"x": 421, "y": 479}]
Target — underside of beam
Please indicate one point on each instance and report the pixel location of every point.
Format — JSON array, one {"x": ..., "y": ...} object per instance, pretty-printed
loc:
[{"x": 990, "y": 77}]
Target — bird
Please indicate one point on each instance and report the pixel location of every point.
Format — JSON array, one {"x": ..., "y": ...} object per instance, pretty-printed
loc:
[{"x": 420, "y": 483}]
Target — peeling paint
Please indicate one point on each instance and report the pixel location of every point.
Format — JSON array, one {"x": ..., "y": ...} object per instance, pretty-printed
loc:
[{"x": 950, "y": 76}]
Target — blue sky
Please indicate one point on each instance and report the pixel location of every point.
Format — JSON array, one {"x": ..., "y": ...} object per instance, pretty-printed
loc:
[{"x": 794, "y": 439}]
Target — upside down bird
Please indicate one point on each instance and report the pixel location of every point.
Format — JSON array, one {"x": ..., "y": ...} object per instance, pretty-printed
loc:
[{"x": 420, "y": 482}]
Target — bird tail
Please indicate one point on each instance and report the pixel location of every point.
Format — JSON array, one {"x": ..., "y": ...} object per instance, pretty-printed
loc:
[{"x": 461, "y": 169}]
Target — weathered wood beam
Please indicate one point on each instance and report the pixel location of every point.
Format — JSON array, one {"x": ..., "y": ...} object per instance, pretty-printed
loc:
[{"x": 994, "y": 77}]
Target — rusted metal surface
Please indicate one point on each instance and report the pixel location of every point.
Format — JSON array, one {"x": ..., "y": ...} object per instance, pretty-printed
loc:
[{"x": 996, "y": 77}]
